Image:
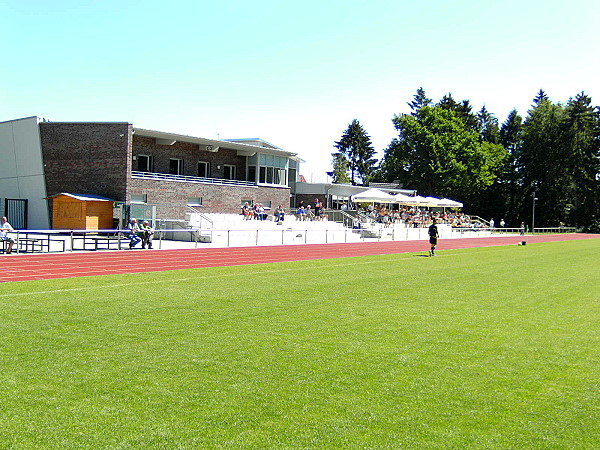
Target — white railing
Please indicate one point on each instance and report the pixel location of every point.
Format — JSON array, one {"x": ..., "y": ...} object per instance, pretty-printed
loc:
[
  {"x": 189, "y": 179},
  {"x": 116, "y": 239}
]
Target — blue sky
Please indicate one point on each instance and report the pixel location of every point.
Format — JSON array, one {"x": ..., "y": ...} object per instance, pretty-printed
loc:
[{"x": 294, "y": 74}]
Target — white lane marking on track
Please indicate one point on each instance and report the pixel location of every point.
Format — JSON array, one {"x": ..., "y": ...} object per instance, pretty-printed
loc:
[{"x": 171, "y": 280}]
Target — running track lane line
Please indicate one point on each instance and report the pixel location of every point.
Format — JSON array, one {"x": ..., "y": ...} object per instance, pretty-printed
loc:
[{"x": 70, "y": 265}]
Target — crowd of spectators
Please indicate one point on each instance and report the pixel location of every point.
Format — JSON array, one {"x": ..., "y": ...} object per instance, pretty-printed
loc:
[
  {"x": 256, "y": 211},
  {"x": 411, "y": 216},
  {"x": 415, "y": 217},
  {"x": 314, "y": 212}
]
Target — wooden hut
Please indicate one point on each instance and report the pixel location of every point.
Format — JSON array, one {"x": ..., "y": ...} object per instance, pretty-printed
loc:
[{"x": 81, "y": 212}]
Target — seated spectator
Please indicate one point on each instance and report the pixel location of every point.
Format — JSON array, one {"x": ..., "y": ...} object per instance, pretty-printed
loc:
[
  {"x": 301, "y": 212},
  {"x": 247, "y": 212},
  {"x": 147, "y": 234},
  {"x": 132, "y": 233},
  {"x": 6, "y": 228},
  {"x": 279, "y": 214},
  {"x": 259, "y": 212},
  {"x": 309, "y": 214}
]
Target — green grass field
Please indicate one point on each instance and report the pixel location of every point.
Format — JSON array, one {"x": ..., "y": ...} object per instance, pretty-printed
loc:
[{"x": 484, "y": 348}]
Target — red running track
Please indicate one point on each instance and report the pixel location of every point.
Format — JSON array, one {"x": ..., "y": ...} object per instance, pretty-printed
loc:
[{"x": 68, "y": 265}]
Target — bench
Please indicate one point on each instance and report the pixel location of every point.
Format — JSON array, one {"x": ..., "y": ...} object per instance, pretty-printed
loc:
[
  {"x": 30, "y": 242},
  {"x": 5, "y": 246},
  {"x": 101, "y": 242},
  {"x": 25, "y": 243}
]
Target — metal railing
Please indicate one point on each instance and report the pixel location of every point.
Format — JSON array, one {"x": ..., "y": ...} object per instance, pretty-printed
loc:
[
  {"x": 556, "y": 230},
  {"x": 189, "y": 179},
  {"x": 191, "y": 210}
]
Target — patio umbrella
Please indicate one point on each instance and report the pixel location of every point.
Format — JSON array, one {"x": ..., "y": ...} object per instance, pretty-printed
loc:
[
  {"x": 404, "y": 199},
  {"x": 421, "y": 201},
  {"x": 373, "y": 195},
  {"x": 448, "y": 203}
]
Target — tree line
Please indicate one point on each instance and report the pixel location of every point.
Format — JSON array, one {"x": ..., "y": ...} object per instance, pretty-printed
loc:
[{"x": 445, "y": 149}]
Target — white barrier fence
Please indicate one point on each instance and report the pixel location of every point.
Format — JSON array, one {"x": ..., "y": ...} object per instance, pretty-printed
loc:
[{"x": 112, "y": 239}]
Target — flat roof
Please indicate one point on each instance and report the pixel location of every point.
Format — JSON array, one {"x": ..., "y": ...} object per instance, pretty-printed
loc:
[{"x": 244, "y": 149}]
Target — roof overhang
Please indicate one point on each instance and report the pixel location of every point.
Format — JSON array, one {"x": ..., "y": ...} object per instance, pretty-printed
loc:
[
  {"x": 83, "y": 197},
  {"x": 211, "y": 145}
]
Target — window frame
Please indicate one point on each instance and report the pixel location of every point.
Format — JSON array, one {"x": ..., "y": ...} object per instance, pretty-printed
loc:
[
  {"x": 206, "y": 169},
  {"x": 149, "y": 163},
  {"x": 179, "y": 166},
  {"x": 232, "y": 172}
]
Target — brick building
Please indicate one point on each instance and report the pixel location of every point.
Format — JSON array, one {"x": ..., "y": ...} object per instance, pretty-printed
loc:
[{"x": 135, "y": 166}]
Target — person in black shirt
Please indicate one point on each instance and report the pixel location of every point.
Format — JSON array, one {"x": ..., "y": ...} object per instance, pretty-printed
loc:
[{"x": 433, "y": 237}]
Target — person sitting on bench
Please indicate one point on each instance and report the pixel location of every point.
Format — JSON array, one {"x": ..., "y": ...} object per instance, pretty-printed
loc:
[
  {"x": 146, "y": 233},
  {"x": 133, "y": 229},
  {"x": 6, "y": 228}
]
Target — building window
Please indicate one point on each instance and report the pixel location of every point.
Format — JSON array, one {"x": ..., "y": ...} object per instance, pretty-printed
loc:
[
  {"x": 252, "y": 173},
  {"x": 139, "y": 198},
  {"x": 272, "y": 169},
  {"x": 203, "y": 169},
  {"x": 229, "y": 172},
  {"x": 176, "y": 166},
  {"x": 145, "y": 163},
  {"x": 194, "y": 201}
]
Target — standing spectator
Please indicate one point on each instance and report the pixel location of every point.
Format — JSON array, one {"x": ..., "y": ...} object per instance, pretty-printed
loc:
[
  {"x": 147, "y": 234},
  {"x": 133, "y": 230},
  {"x": 433, "y": 237},
  {"x": 502, "y": 223},
  {"x": 492, "y": 223},
  {"x": 6, "y": 228},
  {"x": 318, "y": 208}
]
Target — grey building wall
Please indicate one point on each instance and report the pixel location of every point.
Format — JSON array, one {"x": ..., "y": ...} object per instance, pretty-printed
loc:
[{"x": 22, "y": 170}]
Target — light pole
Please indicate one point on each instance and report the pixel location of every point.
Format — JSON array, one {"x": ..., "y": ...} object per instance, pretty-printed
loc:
[{"x": 533, "y": 214}]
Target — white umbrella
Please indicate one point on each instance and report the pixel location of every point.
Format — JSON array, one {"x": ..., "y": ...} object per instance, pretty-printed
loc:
[
  {"x": 373, "y": 195},
  {"x": 448, "y": 203},
  {"x": 404, "y": 199},
  {"x": 421, "y": 201},
  {"x": 433, "y": 201}
]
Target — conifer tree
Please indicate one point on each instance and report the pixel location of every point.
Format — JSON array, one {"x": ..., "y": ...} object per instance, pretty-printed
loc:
[{"x": 355, "y": 144}]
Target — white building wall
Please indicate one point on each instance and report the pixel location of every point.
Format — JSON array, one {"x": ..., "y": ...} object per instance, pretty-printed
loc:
[{"x": 22, "y": 169}]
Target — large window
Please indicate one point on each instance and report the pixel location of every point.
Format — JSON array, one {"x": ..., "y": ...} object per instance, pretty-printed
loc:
[
  {"x": 272, "y": 169},
  {"x": 145, "y": 163},
  {"x": 203, "y": 169},
  {"x": 176, "y": 166},
  {"x": 272, "y": 175}
]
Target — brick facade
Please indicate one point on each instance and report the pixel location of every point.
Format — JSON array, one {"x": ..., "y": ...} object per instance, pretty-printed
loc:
[
  {"x": 86, "y": 158},
  {"x": 191, "y": 154},
  {"x": 97, "y": 159},
  {"x": 215, "y": 198}
]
